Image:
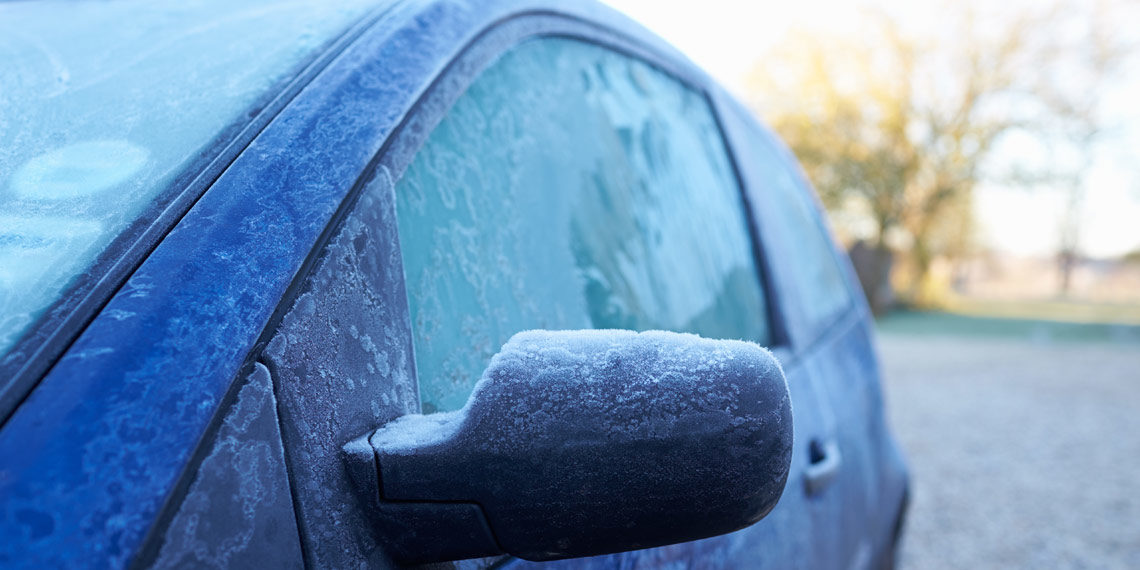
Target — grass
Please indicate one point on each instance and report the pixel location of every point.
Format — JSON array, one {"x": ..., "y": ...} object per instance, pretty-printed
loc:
[
  {"x": 1049, "y": 310},
  {"x": 1051, "y": 323}
]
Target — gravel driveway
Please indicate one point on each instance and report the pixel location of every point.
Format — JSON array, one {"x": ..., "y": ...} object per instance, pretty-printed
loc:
[{"x": 1023, "y": 455}]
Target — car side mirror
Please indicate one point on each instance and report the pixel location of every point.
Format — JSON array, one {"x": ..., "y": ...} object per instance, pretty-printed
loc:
[{"x": 577, "y": 443}]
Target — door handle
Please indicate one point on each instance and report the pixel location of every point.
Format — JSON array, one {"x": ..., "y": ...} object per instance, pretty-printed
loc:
[{"x": 825, "y": 461}]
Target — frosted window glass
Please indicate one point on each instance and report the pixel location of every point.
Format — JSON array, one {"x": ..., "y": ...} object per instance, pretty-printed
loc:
[{"x": 570, "y": 187}]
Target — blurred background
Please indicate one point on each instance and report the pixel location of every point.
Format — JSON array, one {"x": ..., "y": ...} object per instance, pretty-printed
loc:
[{"x": 980, "y": 161}]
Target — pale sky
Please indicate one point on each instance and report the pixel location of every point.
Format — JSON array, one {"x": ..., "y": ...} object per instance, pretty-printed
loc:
[{"x": 727, "y": 37}]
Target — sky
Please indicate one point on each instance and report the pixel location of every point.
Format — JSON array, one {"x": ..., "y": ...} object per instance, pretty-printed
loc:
[{"x": 728, "y": 37}]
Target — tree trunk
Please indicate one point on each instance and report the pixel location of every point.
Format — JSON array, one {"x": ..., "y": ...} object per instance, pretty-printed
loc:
[
  {"x": 873, "y": 268},
  {"x": 922, "y": 260},
  {"x": 1066, "y": 261}
]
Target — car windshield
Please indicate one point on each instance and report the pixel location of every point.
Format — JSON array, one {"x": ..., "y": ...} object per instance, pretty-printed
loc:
[{"x": 105, "y": 104}]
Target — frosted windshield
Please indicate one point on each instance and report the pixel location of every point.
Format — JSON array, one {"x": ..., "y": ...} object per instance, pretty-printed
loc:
[{"x": 103, "y": 104}]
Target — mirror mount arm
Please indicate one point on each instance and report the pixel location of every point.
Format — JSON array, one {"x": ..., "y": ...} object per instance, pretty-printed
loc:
[{"x": 418, "y": 531}]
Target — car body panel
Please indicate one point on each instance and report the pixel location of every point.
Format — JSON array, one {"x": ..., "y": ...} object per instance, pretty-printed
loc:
[{"x": 118, "y": 430}]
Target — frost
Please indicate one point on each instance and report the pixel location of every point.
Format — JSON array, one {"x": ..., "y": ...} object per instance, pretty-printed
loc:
[
  {"x": 412, "y": 431},
  {"x": 237, "y": 512},
  {"x": 79, "y": 169},
  {"x": 343, "y": 358},
  {"x": 570, "y": 187},
  {"x": 37, "y": 253},
  {"x": 106, "y": 103},
  {"x": 648, "y": 385},
  {"x": 615, "y": 385},
  {"x": 655, "y": 433}
]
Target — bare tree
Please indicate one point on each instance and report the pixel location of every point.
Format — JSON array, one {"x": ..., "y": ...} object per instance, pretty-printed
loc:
[
  {"x": 1086, "y": 58},
  {"x": 905, "y": 129}
]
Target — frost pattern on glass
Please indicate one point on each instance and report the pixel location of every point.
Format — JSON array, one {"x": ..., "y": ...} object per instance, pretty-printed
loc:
[
  {"x": 570, "y": 187},
  {"x": 104, "y": 103}
]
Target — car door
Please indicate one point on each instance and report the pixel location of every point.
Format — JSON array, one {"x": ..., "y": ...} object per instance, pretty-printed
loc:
[
  {"x": 542, "y": 183},
  {"x": 640, "y": 226},
  {"x": 829, "y": 324}
]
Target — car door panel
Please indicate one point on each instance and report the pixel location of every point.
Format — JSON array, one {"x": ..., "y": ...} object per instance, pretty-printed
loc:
[
  {"x": 874, "y": 485},
  {"x": 843, "y": 507}
]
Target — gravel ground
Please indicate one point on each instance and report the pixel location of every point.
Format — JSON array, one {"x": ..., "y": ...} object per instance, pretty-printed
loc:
[{"x": 1023, "y": 455}]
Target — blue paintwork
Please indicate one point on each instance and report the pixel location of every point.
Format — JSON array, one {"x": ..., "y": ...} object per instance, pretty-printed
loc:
[{"x": 90, "y": 458}]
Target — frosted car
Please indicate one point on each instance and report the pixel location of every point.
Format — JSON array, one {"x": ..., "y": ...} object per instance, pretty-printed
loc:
[{"x": 474, "y": 283}]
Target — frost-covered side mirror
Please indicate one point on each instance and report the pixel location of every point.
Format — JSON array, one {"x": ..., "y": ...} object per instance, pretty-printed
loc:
[{"x": 577, "y": 443}]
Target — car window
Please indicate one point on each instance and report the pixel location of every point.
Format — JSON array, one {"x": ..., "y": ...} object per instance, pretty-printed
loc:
[
  {"x": 807, "y": 253},
  {"x": 105, "y": 108},
  {"x": 570, "y": 187},
  {"x": 822, "y": 288}
]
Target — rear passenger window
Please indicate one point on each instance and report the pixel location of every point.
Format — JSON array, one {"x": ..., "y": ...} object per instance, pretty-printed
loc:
[
  {"x": 809, "y": 254},
  {"x": 570, "y": 187}
]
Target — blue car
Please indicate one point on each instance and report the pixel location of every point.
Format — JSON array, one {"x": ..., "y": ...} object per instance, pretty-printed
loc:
[{"x": 476, "y": 283}]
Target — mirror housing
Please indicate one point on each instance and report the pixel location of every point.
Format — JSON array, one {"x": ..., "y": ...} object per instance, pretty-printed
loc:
[{"x": 577, "y": 443}]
